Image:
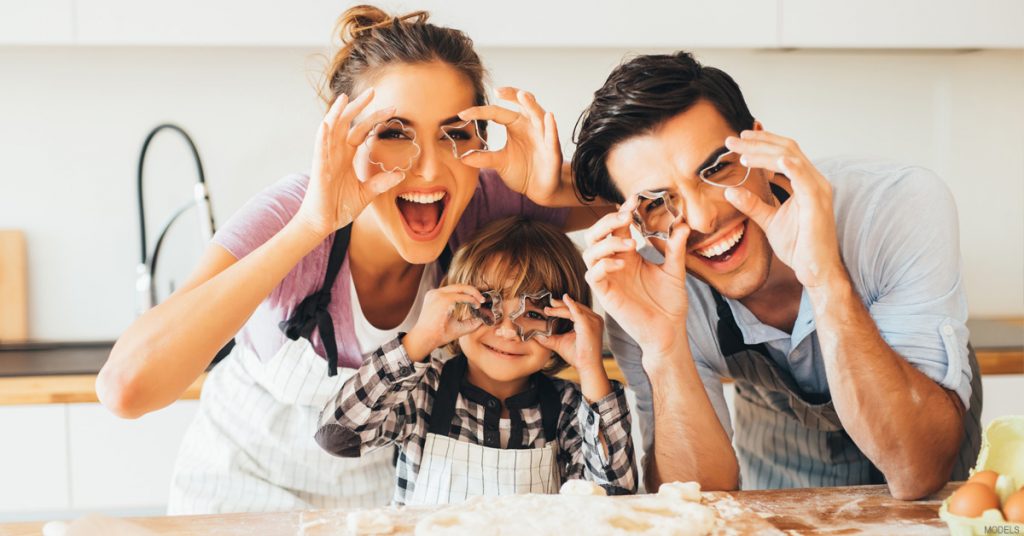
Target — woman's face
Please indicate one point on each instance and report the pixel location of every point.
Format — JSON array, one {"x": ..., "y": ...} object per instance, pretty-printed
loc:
[{"x": 420, "y": 213}]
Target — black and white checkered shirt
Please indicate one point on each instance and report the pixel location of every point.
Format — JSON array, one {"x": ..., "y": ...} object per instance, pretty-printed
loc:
[{"x": 389, "y": 400}]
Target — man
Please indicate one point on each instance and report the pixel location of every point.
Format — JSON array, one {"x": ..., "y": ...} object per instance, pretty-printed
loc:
[{"x": 829, "y": 292}]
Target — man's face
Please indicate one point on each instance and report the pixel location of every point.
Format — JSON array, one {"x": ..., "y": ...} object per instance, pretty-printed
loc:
[{"x": 724, "y": 249}]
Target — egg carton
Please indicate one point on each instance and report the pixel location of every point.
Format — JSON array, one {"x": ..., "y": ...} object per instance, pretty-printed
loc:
[{"x": 1002, "y": 451}]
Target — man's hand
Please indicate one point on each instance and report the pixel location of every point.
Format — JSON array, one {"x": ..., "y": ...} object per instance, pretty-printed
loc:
[
  {"x": 802, "y": 231},
  {"x": 647, "y": 300}
]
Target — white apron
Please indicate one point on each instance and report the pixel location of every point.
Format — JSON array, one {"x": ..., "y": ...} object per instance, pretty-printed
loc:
[
  {"x": 452, "y": 471},
  {"x": 251, "y": 446}
]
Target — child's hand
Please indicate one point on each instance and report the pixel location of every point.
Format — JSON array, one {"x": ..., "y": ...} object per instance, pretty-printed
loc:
[
  {"x": 580, "y": 347},
  {"x": 436, "y": 325}
]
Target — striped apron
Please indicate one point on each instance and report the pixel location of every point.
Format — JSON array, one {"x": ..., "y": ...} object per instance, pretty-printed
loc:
[
  {"x": 452, "y": 471},
  {"x": 786, "y": 438},
  {"x": 251, "y": 447}
]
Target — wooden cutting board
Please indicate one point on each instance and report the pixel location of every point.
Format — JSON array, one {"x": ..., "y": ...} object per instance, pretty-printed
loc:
[{"x": 13, "y": 286}]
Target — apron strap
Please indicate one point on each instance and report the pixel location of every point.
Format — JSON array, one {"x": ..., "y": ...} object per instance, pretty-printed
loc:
[
  {"x": 447, "y": 395},
  {"x": 730, "y": 338},
  {"x": 550, "y": 406},
  {"x": 312, "y": 311}
]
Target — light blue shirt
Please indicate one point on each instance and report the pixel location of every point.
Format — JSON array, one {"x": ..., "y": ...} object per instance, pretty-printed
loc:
[{"x": 899, "y": 238}]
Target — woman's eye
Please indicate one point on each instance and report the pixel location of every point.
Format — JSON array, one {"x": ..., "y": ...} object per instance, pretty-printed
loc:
[
  {"x": 457, "y": 135},
  {"x": 393, "y": 134},
  {"x": 487, "y": 304},
  {"x": 535, "y": 315}
]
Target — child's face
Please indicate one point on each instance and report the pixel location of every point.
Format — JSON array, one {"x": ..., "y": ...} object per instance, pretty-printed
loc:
[{"x": 499, "y": 353}]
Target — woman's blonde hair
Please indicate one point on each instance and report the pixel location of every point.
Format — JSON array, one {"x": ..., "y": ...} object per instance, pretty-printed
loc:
[
  {"x": 372, "y": 39},
  {"x": 517, "y": 256}
]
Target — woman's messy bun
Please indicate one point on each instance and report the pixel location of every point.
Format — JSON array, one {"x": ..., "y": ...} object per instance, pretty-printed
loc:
[{"x": 372, "y": 39}]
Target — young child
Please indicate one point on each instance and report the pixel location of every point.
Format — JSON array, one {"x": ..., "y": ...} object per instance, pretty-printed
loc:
[{"x": 485, "y": 416}]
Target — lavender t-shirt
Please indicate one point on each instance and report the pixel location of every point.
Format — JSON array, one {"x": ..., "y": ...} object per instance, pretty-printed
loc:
[{"x": 267, "y": 213}]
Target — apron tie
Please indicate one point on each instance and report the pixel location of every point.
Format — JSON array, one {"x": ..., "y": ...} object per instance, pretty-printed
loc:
[{"x": 312, "y": 311}]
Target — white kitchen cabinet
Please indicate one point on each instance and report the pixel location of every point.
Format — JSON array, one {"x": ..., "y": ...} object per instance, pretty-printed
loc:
[
  {"x": 207, "y": 22},
  {"x": 124, "y": 464},
  {"x": 33, "y": 459},
  {"x": 531, "y": 23},
  {"x": 902, "y": 24},
  {"x": 36, "y": 22}
]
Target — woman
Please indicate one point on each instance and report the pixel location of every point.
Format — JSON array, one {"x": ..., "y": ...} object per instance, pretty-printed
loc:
[{"x": 315, "y": 271}]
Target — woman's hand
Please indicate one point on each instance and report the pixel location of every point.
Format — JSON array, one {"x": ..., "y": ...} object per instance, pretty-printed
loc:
[
  {"x": 531, "y": 161},
  {"x": 437, "y": 326},
  {"x": 802, "y": 231},
  {"x": 335, "y": 195},
  {"x": 648, "y": 300}
]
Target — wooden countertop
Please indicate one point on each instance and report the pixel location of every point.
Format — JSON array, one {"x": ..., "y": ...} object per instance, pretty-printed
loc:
[
  {"x": 810, "y": 511},
  {"x": 63, "y": 389}
]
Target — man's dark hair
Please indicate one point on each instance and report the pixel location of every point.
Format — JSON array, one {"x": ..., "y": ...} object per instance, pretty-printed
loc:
[{"x": 640, "y": 95}]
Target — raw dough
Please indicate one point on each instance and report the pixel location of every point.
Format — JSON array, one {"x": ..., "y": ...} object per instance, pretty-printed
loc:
[
  {"x": 541, "y": 515},
  {"x": 581, "y": 487},
  {"x": 684, "y": 491},
  {"x": 375, "y": 521}
]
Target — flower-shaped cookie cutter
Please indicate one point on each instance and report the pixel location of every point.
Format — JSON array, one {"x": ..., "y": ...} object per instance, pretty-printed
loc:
[{"x": 387, "y": 126}]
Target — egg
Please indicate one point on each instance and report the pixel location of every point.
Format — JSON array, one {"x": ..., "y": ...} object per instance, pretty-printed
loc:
[
  {"x": 972, "y": 499},
  {"x": 985, "y": 477},
  {"x": 1013, "y": 509}
]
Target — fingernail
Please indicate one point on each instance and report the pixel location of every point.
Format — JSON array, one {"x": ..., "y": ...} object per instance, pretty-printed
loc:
[
  {"x": 628, "y": 242},
  {"x": 730, "y": 141},
  {"x": 743, "y": 160}
]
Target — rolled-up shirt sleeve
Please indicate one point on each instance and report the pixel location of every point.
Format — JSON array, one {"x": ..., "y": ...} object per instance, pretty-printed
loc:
[{"x": 916, "y": 296}]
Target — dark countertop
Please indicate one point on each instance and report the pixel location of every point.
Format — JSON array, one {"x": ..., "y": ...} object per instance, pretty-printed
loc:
[{"x": 53, "y": 358}]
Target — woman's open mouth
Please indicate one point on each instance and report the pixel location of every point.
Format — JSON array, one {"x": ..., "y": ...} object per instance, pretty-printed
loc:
[{"x": 422, "y": 212}]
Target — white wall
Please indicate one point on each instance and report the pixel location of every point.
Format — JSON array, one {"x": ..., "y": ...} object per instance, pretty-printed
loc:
[{"x": 72, "y": 121}]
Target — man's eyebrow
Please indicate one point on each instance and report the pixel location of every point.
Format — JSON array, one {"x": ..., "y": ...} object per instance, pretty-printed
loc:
[{"x": 711, "y": 159}]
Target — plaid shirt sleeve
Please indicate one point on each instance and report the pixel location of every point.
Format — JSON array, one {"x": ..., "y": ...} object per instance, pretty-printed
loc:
[
  {"x": 379, "y": 404},
  {"x": 581, "y": 428}
]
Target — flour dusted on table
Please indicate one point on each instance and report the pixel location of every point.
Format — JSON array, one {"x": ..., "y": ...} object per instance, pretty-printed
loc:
[
  {"x": 577, "y": 486},
  {"x": 671, "y": 513},
  {"x": 684, "y": 491}
]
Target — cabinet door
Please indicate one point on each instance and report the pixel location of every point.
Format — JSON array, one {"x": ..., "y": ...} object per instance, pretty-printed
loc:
[
  {"x": 121, "y": 464},
  {"x": 525, "y": 23},
  {"x": 208, "y": 22},
  {"x": 33, "y": 459},
  {"x": 902, "y": 23},
  {"x": 36, "y": 22}
]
